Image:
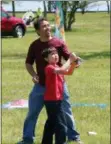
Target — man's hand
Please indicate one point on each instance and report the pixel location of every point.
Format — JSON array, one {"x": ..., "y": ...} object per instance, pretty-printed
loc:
[
  {"x": 35, "y": 79},
  {"x": 78, "y": 62}
]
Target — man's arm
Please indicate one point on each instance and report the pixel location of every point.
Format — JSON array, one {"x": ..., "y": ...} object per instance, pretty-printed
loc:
[
  {"x": 32, "y": 72},
  {"x": 66, "y": 54}
]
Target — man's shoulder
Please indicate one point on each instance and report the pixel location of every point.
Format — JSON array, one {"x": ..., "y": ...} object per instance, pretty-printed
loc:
[
  {"x": 35, "y": 42},
  {"x": 57, "y": 40}
]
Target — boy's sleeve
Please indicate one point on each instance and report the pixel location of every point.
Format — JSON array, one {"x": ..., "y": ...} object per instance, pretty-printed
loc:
[{"x": 49, "y": 70}]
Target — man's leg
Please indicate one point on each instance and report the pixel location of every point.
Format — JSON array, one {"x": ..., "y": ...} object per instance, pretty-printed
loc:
[
  {"x": 71, "y": 129},
  {"x": 35, "y": 106}
]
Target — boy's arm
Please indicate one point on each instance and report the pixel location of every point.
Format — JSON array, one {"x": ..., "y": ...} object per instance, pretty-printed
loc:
[
  {"x": 68, "y": 67},
  {"x": 71, "y": 69},
  {"x": 66, "y": 70},
  {"x": 71, "y": 59}
]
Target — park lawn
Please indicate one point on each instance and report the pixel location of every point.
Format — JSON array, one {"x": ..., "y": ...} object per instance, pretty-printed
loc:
[{"x": 90, "y": 39}]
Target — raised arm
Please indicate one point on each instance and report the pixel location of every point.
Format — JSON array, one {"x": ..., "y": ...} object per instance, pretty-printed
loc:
[
  {"x": 71, "y": 69},
  {"x": 66, "y": 69},
  {"x": 69, "y": 66}
]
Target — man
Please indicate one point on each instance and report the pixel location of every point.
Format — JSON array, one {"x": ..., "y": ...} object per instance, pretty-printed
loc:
[{"x": 36, "y": 101}]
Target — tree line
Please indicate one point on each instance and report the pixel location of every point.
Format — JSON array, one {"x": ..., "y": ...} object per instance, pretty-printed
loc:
[{"x": 69, "y": 10}]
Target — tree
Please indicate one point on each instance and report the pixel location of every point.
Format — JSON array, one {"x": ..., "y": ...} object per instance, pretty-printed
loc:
[
  {"x": 45, "y": 10},
  {"x": 13, "y": 7},
  {"x": 49, "y": 6},
  {"x": 108, "y": 6},
  {"x": 83, "y": 6},
  {"x": 5, "y": 2},
  {"x": 69, "y": 10}
]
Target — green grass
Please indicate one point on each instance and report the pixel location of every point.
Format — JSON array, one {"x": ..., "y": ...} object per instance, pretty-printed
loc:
[{"x": 90, "y": 39}]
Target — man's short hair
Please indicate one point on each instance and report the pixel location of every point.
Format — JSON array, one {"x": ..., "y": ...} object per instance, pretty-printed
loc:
[
  {"x": 37, "y": 22},
  {"x": 48, "y": 51}
]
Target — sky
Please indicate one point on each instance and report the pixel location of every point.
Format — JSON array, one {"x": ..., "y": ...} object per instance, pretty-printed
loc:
[{"x": 34, "y": 5}]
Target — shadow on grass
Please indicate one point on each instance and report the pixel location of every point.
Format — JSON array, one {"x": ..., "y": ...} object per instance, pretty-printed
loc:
[
  {"x": 85, "y": 56},
  {"x": 93, "y": 55},
  {"x": 7, "y": 37},
  {"x": 30, "y": 31},
  {"x": 15, "y": 56}
]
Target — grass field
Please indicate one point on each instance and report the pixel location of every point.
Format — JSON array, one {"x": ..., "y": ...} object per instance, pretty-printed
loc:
[{"x": 90, "y": 39}]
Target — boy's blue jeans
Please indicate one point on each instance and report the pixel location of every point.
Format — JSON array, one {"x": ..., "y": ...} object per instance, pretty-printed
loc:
[{"x": 36, "y": 104}]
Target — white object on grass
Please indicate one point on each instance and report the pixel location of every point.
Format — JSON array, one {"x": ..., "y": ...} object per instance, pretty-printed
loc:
[{"x": 92, "y": 133}]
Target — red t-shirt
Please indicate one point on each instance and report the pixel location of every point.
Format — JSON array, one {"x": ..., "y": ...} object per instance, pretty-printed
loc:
[
  {"x": 34, "y": 55},
  {"x": 53, "y": 83}
]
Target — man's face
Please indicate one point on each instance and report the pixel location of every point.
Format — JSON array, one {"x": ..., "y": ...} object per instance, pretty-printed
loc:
[{"x": 45, "y": 29}]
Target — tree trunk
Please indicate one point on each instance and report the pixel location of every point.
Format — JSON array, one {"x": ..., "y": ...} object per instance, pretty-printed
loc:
[
  {"x": 69, "y": 11},
  {"x": 72, "y": 16},
  {"x": 13, "y": 7},
  {"x": 45, "y": 11},
  {"x": 83, "y": 11},
  {"x": 65, "y": 15},
  {"x": 108, "y": 5},
  {"x": 49, "y": 6},
  {"x": 65, "y": 20},
  {"x": 71, "y": 20}
]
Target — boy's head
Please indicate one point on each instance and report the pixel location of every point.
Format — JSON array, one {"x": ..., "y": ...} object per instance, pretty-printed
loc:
[
  {"x": 42, "y": 27},
  {"x": 50, "y": 55}
]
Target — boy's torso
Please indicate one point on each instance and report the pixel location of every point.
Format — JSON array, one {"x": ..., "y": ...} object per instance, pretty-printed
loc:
[{"x": 54, "y": 84}]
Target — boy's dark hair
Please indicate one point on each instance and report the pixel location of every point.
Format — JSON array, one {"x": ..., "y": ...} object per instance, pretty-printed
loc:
[
  {"x": 37, "y": 21},
  {"x": 48, "y": 51}
]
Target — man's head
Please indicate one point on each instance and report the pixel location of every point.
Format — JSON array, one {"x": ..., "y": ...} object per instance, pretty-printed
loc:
[
  {"x": 50, "y": 55},
  {"x": 42, "y": 27}
]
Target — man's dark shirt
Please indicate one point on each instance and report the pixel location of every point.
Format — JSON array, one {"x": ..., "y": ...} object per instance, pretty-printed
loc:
[{"x": 34, "y": 55}]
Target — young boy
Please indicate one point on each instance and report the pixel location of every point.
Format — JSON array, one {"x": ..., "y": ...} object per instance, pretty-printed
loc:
[{"x": 55, "y": 123}]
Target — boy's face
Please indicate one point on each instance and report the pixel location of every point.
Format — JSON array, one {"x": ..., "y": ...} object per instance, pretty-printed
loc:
[
  {"x": 45, "y": 29},
  {"x": 53, "y": 58}
]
